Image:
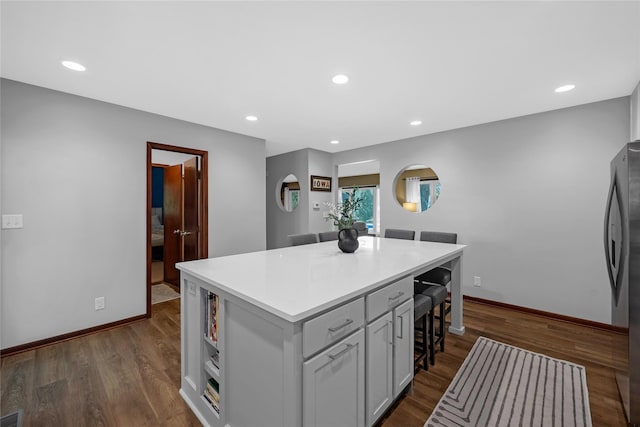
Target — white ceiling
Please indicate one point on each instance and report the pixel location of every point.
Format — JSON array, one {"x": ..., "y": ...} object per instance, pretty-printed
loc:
[{"x": 450, "y": 64}]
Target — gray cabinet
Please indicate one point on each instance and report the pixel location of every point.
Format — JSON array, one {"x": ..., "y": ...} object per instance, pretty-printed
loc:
[
  {"x": 379, "y": 366},
  {"x": 333, "y": 385},
  {"x": 389, "y": 345},
  {"x": 402, "y": 346}
]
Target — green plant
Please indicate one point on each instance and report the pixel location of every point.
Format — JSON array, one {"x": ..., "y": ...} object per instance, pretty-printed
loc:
[{"x": 342, "y": 213}]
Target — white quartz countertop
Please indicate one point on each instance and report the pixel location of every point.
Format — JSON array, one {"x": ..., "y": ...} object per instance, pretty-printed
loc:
[{"x": 298, "y": 282}]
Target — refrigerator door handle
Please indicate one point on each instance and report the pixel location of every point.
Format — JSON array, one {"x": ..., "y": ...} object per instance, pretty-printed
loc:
[
  {"x": 617, "y": 280},
  {"x": 607, "y": 230}
]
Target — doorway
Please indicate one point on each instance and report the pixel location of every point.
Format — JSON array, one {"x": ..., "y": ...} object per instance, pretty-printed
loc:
[{"x": 177, "y": 207}]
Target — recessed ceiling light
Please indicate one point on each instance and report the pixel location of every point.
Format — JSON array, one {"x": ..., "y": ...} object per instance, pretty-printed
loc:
[
  {"x": 416, "y": 123},
  {"x": 74, "y": 66},
  {"x": 565, "y": 88},
  {"x": 334, "y": 142},
  {"x": 340, "y": 79},
  {"x": 251, "y": 118}
]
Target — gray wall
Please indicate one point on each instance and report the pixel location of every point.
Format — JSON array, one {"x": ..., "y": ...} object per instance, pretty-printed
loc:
[
  {"x": 304, "y": 219},
  {"x": 76, "y": 169},
  {"x": 281, "y": 223},
  {"x": 320, "y": 164},
  {"x": 527, "y": 195}
]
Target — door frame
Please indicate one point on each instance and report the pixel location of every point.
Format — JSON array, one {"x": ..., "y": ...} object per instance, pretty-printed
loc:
[{"x": 204, "y": 207}]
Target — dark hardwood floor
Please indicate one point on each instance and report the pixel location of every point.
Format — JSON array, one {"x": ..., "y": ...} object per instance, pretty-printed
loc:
[
  {"x": 126, "y": 376},
  {"x": 601, "y": 352},
  {"x": 130, "y": 375}
]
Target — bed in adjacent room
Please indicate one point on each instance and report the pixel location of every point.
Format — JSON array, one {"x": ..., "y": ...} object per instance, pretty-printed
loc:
[{"x": 157, "y": 234}]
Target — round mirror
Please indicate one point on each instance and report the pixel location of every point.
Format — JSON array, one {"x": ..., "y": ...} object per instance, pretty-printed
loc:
[
  {"x": 417, "y": 188},
  {"x": 288, "y": 193}
]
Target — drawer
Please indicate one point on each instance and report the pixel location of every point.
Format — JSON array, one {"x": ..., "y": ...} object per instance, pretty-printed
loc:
[
  {"x": 332, "y": 326},
  {"x": 383, "y": 300}
]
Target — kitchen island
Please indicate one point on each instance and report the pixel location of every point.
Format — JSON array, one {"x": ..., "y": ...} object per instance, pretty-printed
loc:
[{"x": 305, "y": 335}]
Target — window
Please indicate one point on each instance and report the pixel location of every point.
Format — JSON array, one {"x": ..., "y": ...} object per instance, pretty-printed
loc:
[
  {"x": 369, "y": 213},
  {"x": 429, "y": 193},
  {"x": 294, "y": 196}
]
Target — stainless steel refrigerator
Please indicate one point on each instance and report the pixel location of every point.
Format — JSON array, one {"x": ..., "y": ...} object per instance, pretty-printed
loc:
[{"x": 622, "y": 252}]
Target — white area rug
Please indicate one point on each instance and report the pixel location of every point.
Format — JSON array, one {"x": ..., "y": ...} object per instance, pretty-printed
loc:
[
  {"x": 162, "y": 292},
  {"x": 502, "y": 385}
]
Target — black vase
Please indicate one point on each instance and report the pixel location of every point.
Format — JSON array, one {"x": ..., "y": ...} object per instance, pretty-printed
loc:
[{"x": 348, "y": 240}]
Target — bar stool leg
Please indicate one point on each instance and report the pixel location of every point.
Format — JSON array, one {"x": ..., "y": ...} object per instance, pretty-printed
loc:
[
  {"x": 425, "y": 343},
  {"x": 441, "y": 326},
  {"x": 432, "y": 350}
]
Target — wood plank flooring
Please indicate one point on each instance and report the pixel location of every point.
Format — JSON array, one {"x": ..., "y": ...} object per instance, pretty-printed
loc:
[
  {"x": 130, "y": 375},
  {"x": 600, "y": 352}
]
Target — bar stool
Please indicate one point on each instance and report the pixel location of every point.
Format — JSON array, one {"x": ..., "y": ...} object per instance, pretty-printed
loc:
[
  {"x": 396, "y": 233},
  {"x": 434, "y": 283},
  {"x": 326, "y": 236},
  {"x": 302, "y": 239},
  {"x": 421, "y": 307},
  {"x": 437, "y": 295},
  {"x": 361, "y": 227},
  {"x": 439, "y": 275}
]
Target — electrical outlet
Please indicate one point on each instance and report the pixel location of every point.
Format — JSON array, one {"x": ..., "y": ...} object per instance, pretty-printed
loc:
[
  {"x": 476, "y": 281},
  {"x": 11, "y": 221},
  {"x": 100, "y": 303}
]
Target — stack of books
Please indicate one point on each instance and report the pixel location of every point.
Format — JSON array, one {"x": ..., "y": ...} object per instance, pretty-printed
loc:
[{"x": 212, "y": 395}]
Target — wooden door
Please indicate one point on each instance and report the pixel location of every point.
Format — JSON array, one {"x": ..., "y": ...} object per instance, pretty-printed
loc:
[
  {"x": 191, "y": 231},
  {"x": 333, "y": 385},
  {"x": 173, "y": 211},
  {"x": 172, "y": 222},
  {"x": 379, "y": 367}
]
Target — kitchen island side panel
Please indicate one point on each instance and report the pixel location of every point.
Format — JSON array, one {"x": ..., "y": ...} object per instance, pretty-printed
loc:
[
  {"x": 260, "y": 361},
  {"x": 262, "y": 366}
]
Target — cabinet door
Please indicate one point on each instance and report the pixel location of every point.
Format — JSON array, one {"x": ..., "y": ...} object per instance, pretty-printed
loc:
[
  {"x": 379, "y": 366},
  {"x": 402, "y": 346},
  {"x": 333, "y": 385}
]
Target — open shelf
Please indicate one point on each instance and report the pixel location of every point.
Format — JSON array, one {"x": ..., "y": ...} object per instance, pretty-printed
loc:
[
  {"x": 210, "y": 361},
  {"x": 210, "y": 406},
  {"x": 212, "y": 370},
  {"x": 210, "y": 342}
]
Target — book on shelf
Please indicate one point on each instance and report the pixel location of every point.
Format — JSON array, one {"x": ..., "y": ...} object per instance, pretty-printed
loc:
[
  {"x": 214, "y": 319},
  {"x": 212, "y": 385},
  {"x": 215, "y": 404},
  {"x": 215, "y": 359},
  {"x": 212, "y": 395},
  {"x": 211, "y": 316}
]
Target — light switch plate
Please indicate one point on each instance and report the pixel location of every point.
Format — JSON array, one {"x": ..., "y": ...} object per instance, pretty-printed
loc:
[{"x": 11, "y": 221}]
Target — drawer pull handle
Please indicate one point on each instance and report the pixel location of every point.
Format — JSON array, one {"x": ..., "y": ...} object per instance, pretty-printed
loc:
[
  {"x": 341, "y": 352},
  {"x": 397, "y": 296},
  {"x": 344, "y": 325}
]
